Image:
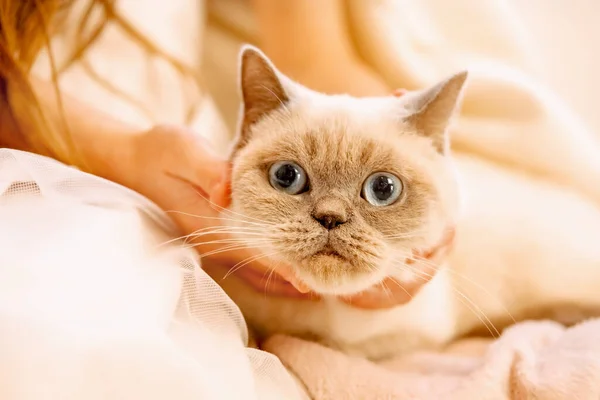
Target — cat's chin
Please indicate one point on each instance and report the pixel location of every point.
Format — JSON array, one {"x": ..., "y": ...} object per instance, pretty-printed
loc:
[{"x": 330, "y": 274}]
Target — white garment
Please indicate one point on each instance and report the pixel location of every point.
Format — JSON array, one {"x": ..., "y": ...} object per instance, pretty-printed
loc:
[{"x": 95, "y": 303}]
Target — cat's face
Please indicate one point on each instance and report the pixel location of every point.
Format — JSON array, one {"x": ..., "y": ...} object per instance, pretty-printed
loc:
[{"x": 341, "y": 189}]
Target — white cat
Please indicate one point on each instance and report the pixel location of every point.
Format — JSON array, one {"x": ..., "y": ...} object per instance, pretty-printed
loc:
[{"x": 347, "y": 190}]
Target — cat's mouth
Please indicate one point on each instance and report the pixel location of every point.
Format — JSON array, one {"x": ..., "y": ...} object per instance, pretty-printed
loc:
[{"x": 328, "y": 251}]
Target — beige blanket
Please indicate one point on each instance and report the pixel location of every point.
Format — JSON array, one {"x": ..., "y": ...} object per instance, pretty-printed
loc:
[
  {"x": 533, "y": 360},
  {"x": 510, "y": 115}
]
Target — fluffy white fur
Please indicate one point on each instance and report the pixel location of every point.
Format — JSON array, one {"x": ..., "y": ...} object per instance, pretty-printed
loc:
[{"x": 524, "y": 248}]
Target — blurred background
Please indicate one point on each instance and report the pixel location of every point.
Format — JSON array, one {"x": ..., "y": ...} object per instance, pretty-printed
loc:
[{"x": 517, "y": 50}]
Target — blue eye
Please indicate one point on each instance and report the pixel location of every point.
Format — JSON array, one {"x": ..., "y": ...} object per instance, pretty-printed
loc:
[
  {"x": 288, "y": 177},
  {"x": 382, "y": 189}
]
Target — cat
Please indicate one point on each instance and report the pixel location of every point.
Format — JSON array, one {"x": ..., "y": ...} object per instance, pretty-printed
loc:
[{"x": 345, "y": 190}]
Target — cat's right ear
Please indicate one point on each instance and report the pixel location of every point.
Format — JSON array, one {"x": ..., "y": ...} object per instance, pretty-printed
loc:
[
  {"x": 431, "y": 110},
  {"x": 263, "y": 90}
]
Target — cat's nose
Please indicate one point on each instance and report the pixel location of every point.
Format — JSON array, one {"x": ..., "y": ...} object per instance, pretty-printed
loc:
[{"x": 330, "y": 220}]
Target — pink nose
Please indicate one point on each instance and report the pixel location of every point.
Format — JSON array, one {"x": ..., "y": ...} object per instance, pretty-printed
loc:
[{"x": 329, "y": 220}]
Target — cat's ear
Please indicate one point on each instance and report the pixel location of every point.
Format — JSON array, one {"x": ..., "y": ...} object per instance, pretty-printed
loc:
[
  {"x": 263, "y": 89},
  {"x": 430, "y": 111}
]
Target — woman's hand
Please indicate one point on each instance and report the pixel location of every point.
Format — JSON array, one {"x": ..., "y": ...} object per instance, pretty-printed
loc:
[
  {"x": 176, "y": 169},
  {"x": 392, "y": 292}
]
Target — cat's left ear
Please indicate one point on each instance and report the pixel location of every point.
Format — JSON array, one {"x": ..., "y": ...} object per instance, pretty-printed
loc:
[
  {"x": 430, "y": 111},
  {"x": 263, "y": 90}
]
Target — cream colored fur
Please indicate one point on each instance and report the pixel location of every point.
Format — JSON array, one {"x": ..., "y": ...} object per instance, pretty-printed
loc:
[{"x": 523, "y": 246}]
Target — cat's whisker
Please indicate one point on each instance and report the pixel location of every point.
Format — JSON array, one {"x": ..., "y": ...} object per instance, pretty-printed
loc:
[
  {"x": 224, "y": 210},
  {"x": 226, "y": 246},
  {"x": 247, "y": 261},
  {"x": 467, "y": 280},
  {"x": 246, "y": 228},
  {"x": 228, "y": 241},
  {"x": 400, "y": 286},
  {"x": 231, "y": 232},
  {"x": 235, "y": 236},
  {"x": 225, "y": 249},
  {"x": 219, "y": 218},
  {"x": 382, "y": 283},
  {"x": 476, "y": 310},
  {"x": 182, "y": 237},
  {"x": 468, "y": 306},
  {"x": 479, "y": 313},
  {"x": 271, "y": 273},
  {"x": 228, "y": 229},
  {"x": 386, "y": 290},
  {"x": 215, "y": 229},
  {"x": 238, "y": 237},
  {"x": 234, "y": 232},
  {"x": 242, "y": 243},
  {"x": 220, "y": 239},
  {"x": 403, "y": 237},
  {"x": 406, "y": 235}
]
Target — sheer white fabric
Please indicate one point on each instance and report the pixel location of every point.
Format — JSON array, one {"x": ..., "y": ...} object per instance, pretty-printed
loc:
[{"x": 96, "y": 303}]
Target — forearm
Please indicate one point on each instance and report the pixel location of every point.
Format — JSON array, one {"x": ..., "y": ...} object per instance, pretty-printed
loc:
[
  {"x": 104, "y": 145},
  {"x": 295, "y": 33},
  {"x": 309, "y": 41}
]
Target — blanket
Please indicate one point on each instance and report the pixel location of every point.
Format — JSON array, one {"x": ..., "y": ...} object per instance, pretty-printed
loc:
[
  {"x": 511, "y": 115},
  {"x": 532, "y": 360}
]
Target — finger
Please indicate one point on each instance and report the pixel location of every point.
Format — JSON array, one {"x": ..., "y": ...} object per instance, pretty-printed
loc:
[
  {"x": 372, "y": 301},
  {"x": 388, "y": 295},
  {"x": 193, "y": 158},
  {"x": 393, "y": 292},
  {"x": 191, "y": 210},
  {"x": 206, "y": 169},
  {"x": 221, "y": 193},
  {"x": 287, "y": 273}
]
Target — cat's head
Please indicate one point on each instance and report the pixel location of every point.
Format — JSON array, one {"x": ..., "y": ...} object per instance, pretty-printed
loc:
[{"x": 340, "y": 188}]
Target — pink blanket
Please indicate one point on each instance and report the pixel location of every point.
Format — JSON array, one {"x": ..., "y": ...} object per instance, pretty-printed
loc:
[{"x": 531, "y": 360}]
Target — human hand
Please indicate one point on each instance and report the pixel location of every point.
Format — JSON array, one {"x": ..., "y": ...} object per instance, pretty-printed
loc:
[
  {"x": 176, "y": 169},
  {"x": 392, "y": 292}
]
